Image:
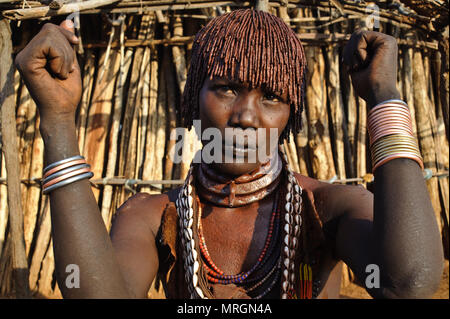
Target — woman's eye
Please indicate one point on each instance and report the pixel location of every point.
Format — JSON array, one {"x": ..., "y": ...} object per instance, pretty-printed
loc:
[
  {"x": 224, "y": 89},
  {"x": 272, "y": 97}
]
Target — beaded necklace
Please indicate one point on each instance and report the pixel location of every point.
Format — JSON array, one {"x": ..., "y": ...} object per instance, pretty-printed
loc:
[
  {"x": 290, "y": 235},
  {"x": 215, "y": 275}
]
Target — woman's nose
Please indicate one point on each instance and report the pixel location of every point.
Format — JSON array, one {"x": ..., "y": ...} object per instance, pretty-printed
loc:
[{"x": 245, "y": 112}]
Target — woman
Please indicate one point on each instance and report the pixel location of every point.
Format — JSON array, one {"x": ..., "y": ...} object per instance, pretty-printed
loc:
[{"x": 242, "y": 228}]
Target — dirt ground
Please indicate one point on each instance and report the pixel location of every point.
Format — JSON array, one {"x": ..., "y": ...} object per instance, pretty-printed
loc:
[
  {"x": 350, "y": 291},
  {"x": 353, "y": 291}
]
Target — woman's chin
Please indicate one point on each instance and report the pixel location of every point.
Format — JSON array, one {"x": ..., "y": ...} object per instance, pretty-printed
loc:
[{"x": 235, "y": 169}]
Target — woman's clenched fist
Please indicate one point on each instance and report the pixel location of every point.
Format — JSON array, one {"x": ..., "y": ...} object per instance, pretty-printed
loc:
[{"x": 50, "y": 70}]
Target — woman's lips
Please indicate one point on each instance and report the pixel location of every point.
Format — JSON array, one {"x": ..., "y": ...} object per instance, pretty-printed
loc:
[{"x": 239, "y": 153}]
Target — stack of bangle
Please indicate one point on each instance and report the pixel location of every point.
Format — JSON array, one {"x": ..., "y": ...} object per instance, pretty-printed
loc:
[
  {"x": 65, "y": 172},
  {"x": 390, "y": 133}
]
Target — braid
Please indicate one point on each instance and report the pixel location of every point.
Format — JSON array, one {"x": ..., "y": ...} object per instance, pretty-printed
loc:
[{"x": 251, "y": 47}]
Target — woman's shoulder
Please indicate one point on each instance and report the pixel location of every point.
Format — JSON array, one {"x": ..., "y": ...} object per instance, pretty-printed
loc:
[
  {"x": 146, "y": 207},
  {"x": 332, "y": 200},
  {"x": 318, "y": 186}
]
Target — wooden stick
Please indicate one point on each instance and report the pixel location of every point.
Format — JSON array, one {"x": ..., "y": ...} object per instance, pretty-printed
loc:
[
  {"x": 161, "y": 117},
  {"x": 125, "y": 61},
  {"x": 443, "y": 153},
  {"x": 143, "y": 112},
  {"x": 361, "y": 139},
  {"x": 148, "y": 115},
  {"x": 147, "y": 25},
  {"x": 127, "y": 159},
  {"x": 42, "y": 241},
  {"x": 5, "y": 269},
  {"x": 160, "y": 135},
  {"x": 171, "y": 125},
  {"x": 34, "y": 193},
  {"x": 424, "y": 130},
  {"x": 88, "y": 83},
  {"x": 46, "y": 273},
  {"x": 5, "y": 260},
  {"x": 336, "y": 110},
  {"x": 148, "y": 9},
  {"x": 178, "y": 53},
  {"x": 441, "y": 148},
  {"x": 444, "y": 88},
  {"x": 40, "y": 12},
  {"x": 350, "y": 146},
  {"x": 293, "y": 153},
  {"x": 181, "y": 74},
  {"x": 26, "y": 129},
  {"x": 408, "y": 88},
  {"x": 262, "y": 5},
  {"x": 153, "y": 89},
  {"x": 319, "y": 140},
  {"x": 8, "y": 130},
  {"x": 57, "y": 4},
  {"x": 301, "y": 141},
  {"x": 98, "y": 120},
  {"x": 163, "y": 102},
  {"x": 3, "y": 205}
]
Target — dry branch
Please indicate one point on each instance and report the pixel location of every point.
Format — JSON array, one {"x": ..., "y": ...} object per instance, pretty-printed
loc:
[
  {"x": 88, "y": 83},
  {"x": 40, "y": 12},
  {"x": 336, "y": 110},
  {"x": 8, "y": 130},
  {"x": 424, "y": 129},
  {"x": 124, "y": 65},
  {"x": 318, "y": 139}
]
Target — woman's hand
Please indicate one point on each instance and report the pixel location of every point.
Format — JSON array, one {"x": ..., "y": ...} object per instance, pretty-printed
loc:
[
  {"x": 51, "y": 72},
  {"x": 371, "y": 59}
]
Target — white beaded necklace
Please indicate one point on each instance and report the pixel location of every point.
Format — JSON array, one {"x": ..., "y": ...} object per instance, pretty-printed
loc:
[{"x": 291, "y": 233}]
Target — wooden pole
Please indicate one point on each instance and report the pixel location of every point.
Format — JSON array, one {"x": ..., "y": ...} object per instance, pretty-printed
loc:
[
  {"x": 337, "y": 116},
  {"x": 424, "y": 130},
  {"x": 88, "y": 83},
  {"x": 153, "y": 88},
  {"x": 42, "y": 240},
  {"x": 408, "y": 89},
  {"x": 3, "y": 205},
  {"x": 9, "y": 148},
  {"x": 125, "y": 61},
  {"x": 316, "y": 97},
  {"x": 127, "y": 158},
  {"x": 26, "y": 127},
  {"x": 33, "y": 191},
  {"x": 262, "y": 5},
  {"x": 40, "y": 12},
  {"x": 98, "y": 124},
  {"x": 444, "y": 82}
]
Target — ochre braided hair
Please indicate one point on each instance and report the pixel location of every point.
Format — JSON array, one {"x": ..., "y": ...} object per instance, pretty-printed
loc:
[{"x": 253, "y": 47}]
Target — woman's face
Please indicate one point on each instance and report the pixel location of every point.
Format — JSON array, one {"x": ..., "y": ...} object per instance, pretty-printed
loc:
[{"x": 226, "y": 105}]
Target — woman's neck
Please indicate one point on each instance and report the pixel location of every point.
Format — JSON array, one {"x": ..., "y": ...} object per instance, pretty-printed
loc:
[{"x": 234, "y": 191}]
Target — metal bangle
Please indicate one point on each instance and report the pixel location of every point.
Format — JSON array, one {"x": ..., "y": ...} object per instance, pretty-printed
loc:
[
  {"x": 391, "y": 101},
  {"x": 419, "y": 160},
  {"x": 373, "y": 121},
  {"x": 384, "y": 142},
  {"x": 66, "y": 160},
  {"x": 380, "y": 157},
  {"x": 389, "y": 148},
  {"x": 68, "y": 181},
  {"x": 62, "y": 172},
  {"x": 394, "y": 139}
]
